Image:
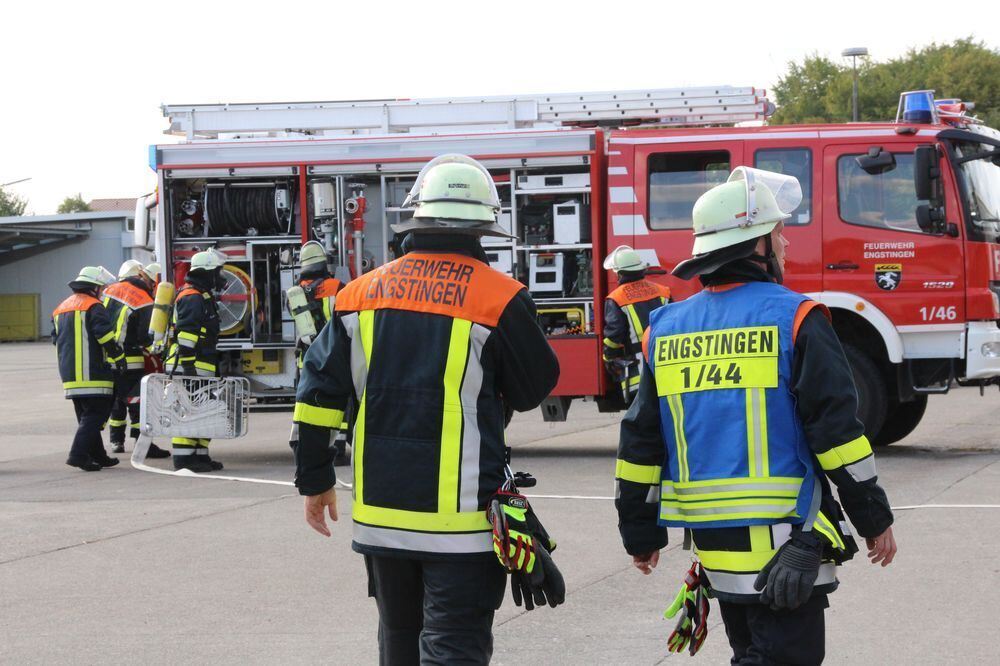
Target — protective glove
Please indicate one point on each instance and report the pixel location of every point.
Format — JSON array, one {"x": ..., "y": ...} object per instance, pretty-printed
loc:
[
  {"x": 692, "y": 603},
  {"x": 787, "y": 580},
  {"x": 513, "y": 541},
  {"x": 544, "y": 585},
  {"x": 699, "y": 630},
  {"x": 121, "y": 365}
]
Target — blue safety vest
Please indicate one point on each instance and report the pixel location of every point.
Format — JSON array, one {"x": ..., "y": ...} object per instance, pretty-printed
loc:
[{"x": 736, "y": 453}]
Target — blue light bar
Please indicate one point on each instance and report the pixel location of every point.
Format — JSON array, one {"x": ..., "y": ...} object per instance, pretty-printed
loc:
[{"x": 917, "y": 106}]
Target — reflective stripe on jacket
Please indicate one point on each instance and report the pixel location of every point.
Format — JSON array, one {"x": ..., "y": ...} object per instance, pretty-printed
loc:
[
  {"x": 626, "y": 316},
  {"x": 737, "y": 453},
  {"x": 321, "y": 295},
  {"x": 430, "y": 346},
  {"x": 82, "y": 332},
  {"x": 195, "y": 331},
  {"x": 130, "y": 308}
]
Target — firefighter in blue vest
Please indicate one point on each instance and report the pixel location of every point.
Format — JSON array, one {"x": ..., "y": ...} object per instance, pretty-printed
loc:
[
  {"x": 89, "y": 357},
  {"x": 746, "y": 412},
  {"x": 626, "y": 315},
  {"x": 434, "y": 347},
  {"x": 129, "y": 303}
]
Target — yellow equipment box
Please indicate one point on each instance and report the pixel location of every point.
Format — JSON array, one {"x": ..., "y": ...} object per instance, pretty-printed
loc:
[{"x": 262, "y": 362}]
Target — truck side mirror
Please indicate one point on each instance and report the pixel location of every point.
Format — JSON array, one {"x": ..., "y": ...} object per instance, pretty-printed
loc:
[
  {"x": 876, "y": 161},
  {"x": 926, "y": 172},
  {"x": 931, "y": 220}
]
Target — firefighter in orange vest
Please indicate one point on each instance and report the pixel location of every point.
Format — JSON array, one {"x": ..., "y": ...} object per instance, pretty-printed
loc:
[
  {"x": 434, "y": 347},
  {"x": 129, "y": 303},
  {"x": 626, "y": 316},
  {"x": 85, "y": 342},
  {"x": 321, "y": 290},
  {"x": 194, "y": 351}
]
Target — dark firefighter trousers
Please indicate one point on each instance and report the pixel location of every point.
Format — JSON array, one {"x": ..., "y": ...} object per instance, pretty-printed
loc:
[
  {"x": 759, "y": 635},
  {"x": 435, "y": 611},
  {"x": 91, "y": 413},
  {"x": 126, "y": 404}
]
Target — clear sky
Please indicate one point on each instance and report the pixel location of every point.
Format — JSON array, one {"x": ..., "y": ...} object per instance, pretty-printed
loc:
[{"x": 82, "y": 83}]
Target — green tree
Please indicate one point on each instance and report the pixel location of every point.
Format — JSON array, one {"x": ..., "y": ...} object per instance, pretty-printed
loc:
[
  {"x": 73, "y": 205},
  {"x": 11, "y": 204},
  {"x": 819, "y": 90}
]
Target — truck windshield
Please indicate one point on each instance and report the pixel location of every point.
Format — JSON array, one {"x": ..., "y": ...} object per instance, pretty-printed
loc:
[{"x": 982, "y": 187}]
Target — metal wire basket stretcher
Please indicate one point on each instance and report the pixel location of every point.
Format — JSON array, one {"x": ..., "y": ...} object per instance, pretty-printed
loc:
[{"x": 195, "y": 407}]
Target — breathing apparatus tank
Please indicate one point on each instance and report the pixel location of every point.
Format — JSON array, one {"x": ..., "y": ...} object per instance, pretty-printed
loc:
[
  {"x": 298, "y": 306},
  {"x": 159, "y": 322}
]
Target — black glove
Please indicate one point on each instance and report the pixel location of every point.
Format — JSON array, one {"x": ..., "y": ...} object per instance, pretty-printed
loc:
[
  {"x": 121, "y": 365},
  {"x": 188, "y": 370},
  {"x": 544, "y": 585},
  {"x": 787, "y": 580}
]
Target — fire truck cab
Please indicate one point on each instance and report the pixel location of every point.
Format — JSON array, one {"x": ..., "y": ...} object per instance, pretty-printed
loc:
[{"x": 897, "y": 235}]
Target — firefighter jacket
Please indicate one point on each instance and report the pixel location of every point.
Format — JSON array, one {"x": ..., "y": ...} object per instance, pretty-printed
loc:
[
  {"x": 745, "y": 410},
  {"x": 626, "y": 316},
  {"x": 85, "y": 342},
  {"x": 130, "y": 307},
  {"x": 196, "y": 329},
  {"x": 432, "y": 346},
  {"x": 321, "y": 294}
]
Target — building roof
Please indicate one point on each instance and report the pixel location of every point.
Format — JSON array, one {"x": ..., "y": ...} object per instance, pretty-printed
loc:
[
  {"x": 104, "y": 205},
  {"x": 20, "y": 235}
]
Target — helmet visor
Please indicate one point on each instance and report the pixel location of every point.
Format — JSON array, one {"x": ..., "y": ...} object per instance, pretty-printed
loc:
[{"x": 786, "y": 190}]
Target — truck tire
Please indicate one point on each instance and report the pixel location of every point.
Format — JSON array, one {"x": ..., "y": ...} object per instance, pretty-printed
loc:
[
  {"x": 872, "y": 392},
  {"x": 902, "y": 419}
]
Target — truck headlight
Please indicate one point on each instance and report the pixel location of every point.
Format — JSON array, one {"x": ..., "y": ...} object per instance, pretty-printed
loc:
[{"x": 991, "y": 349}]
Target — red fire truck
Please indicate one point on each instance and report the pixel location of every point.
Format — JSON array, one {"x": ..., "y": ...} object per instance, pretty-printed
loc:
[{"x": 898, "y": 232}]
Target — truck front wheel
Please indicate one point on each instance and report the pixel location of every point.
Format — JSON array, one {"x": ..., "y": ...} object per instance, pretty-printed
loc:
[
  {"x": 902, "y": 419},
  {"x": 872, "y": 392}
]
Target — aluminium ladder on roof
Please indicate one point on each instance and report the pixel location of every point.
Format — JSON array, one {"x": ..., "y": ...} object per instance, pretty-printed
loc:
[{"x": 667, "y": 106}]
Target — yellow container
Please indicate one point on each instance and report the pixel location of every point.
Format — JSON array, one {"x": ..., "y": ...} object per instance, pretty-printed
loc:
[
  {"x": 261, "y": 362},
  {"x": 18, "y": 317}
]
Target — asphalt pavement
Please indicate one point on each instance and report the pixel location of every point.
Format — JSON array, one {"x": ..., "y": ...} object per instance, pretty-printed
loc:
[{"x": 126, "y": 566}]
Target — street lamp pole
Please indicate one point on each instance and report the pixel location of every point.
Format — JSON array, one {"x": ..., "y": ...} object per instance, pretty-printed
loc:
[
  {"x": 15, "y": 182},
  {"x": 853, "y": 54}
]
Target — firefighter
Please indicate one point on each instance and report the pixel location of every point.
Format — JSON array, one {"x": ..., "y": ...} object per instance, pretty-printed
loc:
[
  {"x": 746, "y": 412},
  {"x": 626, "y": 315},
  {"x": 320, "y": 290},
  {"x": 194, "y": 337},
  {"x": 435, "y": 346},
  {"x": 129, "y": 303},
  {"x": 84, "y": 337}
]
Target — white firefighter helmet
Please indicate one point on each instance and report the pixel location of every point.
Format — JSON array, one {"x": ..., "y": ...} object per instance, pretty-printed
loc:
[
  {"x": 453, "y": 193},
  {"x": 312, "y": 254},
  {"x": 208, "y": 260},
  {"x": 152, "y": 271},
  {"x": 748, "y": 205},
  {"x": 130, "y": 268},
  {"x": 624, "y": 258},
  {"x": 98, "y": 276}
]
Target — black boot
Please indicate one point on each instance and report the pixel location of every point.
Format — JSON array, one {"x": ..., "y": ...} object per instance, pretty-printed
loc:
[
  {"x": 106, "y": 461},
  {"x": 216, "y": 465},
  {"x": 196, "y": 464},
  {"x": 86, "y": 464},
  {"x": 118, "y": 447},
  {"x": 156, "y": 452}
]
